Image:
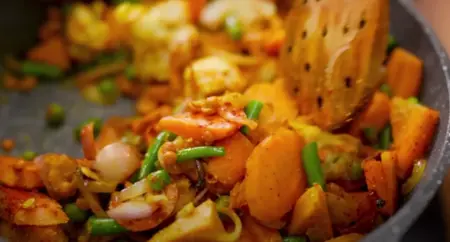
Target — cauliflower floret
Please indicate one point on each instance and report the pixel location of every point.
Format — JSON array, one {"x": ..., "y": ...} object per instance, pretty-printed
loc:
[
  {"x": 249, "y": 12},
  {"x": 86, "y": 28},
  {"x": 158, "y": 24},
  {"x": 214, "y": 75}
]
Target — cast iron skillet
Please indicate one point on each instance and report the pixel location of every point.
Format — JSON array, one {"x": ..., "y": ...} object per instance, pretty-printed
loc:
[{"x": 22, "y": 115}]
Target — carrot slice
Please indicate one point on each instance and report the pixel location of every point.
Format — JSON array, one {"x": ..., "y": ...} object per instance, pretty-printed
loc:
[
  {"x": 199, "y": 126},
  {"x": 52, "y": 51},
  {"x": 381, "y": 179},
  {"x": 404, "y": 73},
  {"x": 375, "y": 116}
]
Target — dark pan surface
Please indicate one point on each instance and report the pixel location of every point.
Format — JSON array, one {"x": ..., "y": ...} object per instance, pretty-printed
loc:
[{"x": 22, "y": 115}]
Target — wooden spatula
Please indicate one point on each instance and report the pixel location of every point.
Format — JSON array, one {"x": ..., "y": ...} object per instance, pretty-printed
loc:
[{"x": 333, "y": 55}]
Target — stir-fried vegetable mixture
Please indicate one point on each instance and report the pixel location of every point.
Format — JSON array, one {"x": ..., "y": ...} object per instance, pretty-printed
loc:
[{"x": 225, "y": 145}]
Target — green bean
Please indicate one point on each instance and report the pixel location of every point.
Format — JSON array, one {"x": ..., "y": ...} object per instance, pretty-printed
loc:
[
  {"x": 311, "y": 163},
  {"x": 385, "y": 138},
  {"x": 130, "y": 72},
  {"x": 54, "y": 115},
  {"x": 104, "y": 226},
  {"x": 356, "y": 171},
  {"x": 159, "y": 180},
  {"x": 97, "y": 127},
  {"x": 233, "y": 27},
  {"x": 41, "y": 69},
  {"x": 199, "y": 152},
  {"x": 294, "y": 239},
  {"x": 392, "y": 44},
  {"x": 386, "y": 89},
  {"x": 370, "y": 134},
  {"x": 151, "y": 156},
  {"x": 223, "y": 202},
  {"x": 29, "y": 155},
  {"x": 74, "y": 213},
  {"x": 414, "y": 100},
  {"x": 252, "y": 110}
]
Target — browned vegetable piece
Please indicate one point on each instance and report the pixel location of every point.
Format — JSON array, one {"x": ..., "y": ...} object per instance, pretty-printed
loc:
[
  {"x": 17, "y": 173},
  {"x": 52, "y": 51},
  {"x": 367, "y": 213},
  {"x": 382, "y": 180},
  {"x": 311, "y": 216},
  {"x": 332, "y": 56},
  {"x": 15, "y": 233},
  {"x": 112, "y": 130},
  {"x": 229, "y": 169},
  {"x": 275, "y": 178},
  {"x": 30, "y": 208},
  {"x": 347, "y": 238},
  {"x": 278, "y": 107},
  {"x": 253, "y": 231},
  {"x": 404, "y": 73},
  {"x": 413, "y": 128},
  {"x": 58, "y": 174},
  {"x": 8, "y": 145},
  {"x": 375, "y": 116}
]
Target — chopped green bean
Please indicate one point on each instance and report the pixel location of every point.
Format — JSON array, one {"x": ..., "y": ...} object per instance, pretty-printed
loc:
[
  {"x": 41, "y": 69},
  {"x": 104, "y": 226},
  {"x": 370, "y": 134},
  {"x": 223, "y": 202},
  {"x": 74, "y": 213},
  {"x": 233, "y": 27},
  {"x": 151, "y": 156},
  {"x": 414, "y": 100},
  {"x": 385, "y": 138},
  {"x": 252, "y": 110},
  {"x": 97, "y": 127},
  {"x": 311, "y": 163},
  {"x": 386, "y": 89},
  {"x": 199, "y": 152},
  {"x": 356, "y": 171},
  {"x": 159, "y": 180},
  {"x": 29, "y": 155},
  {"x": 392, "y": 44},
  {"x": 130, "y": 72},
  {"x": 294, "y": 239},
  {"x": 54, "y": 115}
]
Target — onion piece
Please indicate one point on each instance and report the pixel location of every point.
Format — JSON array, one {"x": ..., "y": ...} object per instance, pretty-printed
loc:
[
  {"x": 116, "y": 162},
  {"x": 132, "y": 210},
  {"x": 91, "y": 198},
  {"x": 137, "y": 189}
]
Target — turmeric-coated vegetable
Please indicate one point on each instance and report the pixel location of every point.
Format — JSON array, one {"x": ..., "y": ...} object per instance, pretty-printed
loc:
[
  {"x": 253, "y": 231},
  {"x": 413, "y": 128},
  {"x": 375, "y": 116},
  {"x": 414, "y": 178},
  {"x": 275, "y": 178},
  {"x": 229, "y": 169},
  {"x": 381, "y": 179},
  {"x": 18, "y": 173},
  {"x": 404, "y": 73},
  {"x": 311, "y": 216}
]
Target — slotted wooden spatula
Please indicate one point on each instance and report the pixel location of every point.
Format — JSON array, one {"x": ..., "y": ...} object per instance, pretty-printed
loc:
[{"x": 332, "y": 57}]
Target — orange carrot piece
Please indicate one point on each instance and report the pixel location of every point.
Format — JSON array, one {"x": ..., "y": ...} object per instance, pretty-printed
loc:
[
  {"x": 413, "y": 128},
  {"x": 404, "y": 73},
  {"x": 273, "y": 45},
  {"x": 198, "y": 126},
  {"x": 381, "y": 179},
  {"x": 230, "y": 168},
  {"x": 375, "y": 116},
  {"x": 88, "y": 141},
  {"x": 52, "y": 51}
]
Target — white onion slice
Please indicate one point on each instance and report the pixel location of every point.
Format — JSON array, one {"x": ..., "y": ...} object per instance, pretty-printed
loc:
[
  {"x": 116, "y": 162},
  {"x": 131, "y": 210},
  {"x": 135, "y": 190}
]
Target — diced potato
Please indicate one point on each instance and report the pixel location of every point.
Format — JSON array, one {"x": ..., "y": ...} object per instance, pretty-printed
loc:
[
  {"x": 311, "y": 216},
  {"x": 413, "y": 128},
  {"x": 275, "y": 178},
  {"x": 18, "y": 173},
  {"x": 199, "y": 224},
  {"x": 229, "y": 169},
  {"x": 253, "y": 231}
]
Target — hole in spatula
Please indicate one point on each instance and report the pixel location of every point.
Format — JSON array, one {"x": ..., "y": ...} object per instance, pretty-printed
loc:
[
  {"x": 307, "y": 67},
  {"x": 289, "y": 49},
  {"x": 362, "y": 23},
  {"x": 305, "y": 1},
  {"x": 348, "y": 82},
  {"x": 304, "y": 34},
  {"x": 324, "y": 31},
  {"x": 319, "y": 101},
  {"x": 345, "y": 29}
]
